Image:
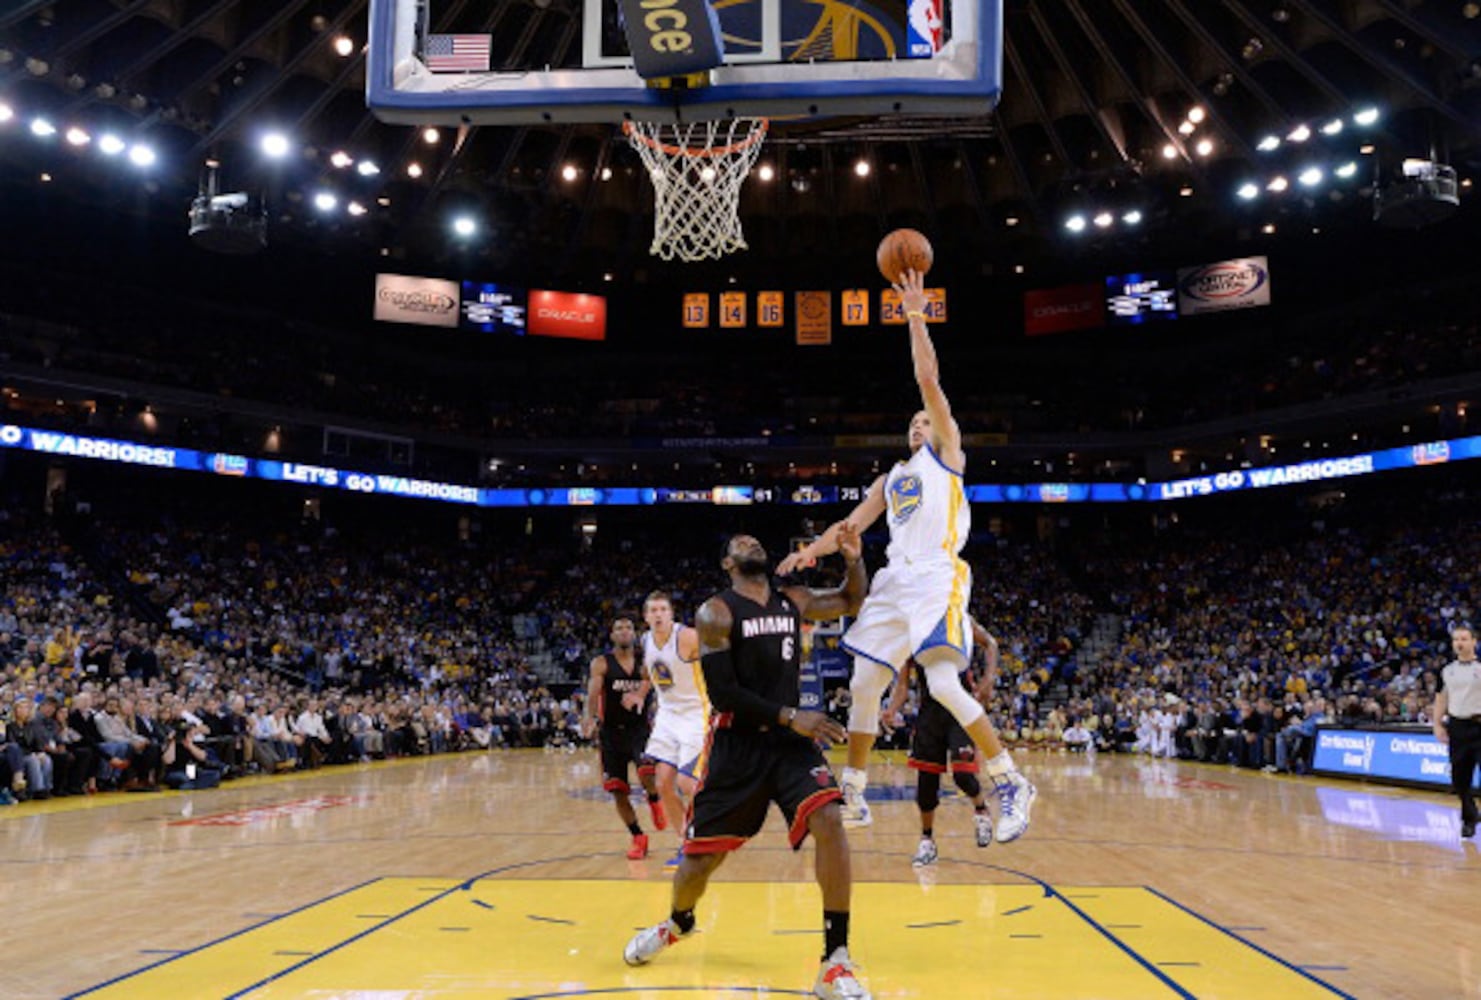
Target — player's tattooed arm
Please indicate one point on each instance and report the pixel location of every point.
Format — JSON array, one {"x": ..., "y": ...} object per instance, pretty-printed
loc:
[
  {"x": 826, "y": 605},
  {"x": 593, "y": 704},
  {"x": 714, "y": 622}
]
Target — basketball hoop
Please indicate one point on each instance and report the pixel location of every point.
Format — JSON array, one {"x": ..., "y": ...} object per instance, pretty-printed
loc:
[{"x": 697, "y": 171}]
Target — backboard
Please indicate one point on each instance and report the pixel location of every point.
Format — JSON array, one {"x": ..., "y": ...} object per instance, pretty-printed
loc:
[{"x": 513, "y": 62}]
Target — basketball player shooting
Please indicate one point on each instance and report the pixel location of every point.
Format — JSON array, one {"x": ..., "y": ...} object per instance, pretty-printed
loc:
[
  {"x": 917, "y": 604},
  {"x": 764, "y": 750}
]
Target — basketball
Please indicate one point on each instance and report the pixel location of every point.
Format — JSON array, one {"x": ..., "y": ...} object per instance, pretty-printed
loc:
[{"x": 901, "y": 251}]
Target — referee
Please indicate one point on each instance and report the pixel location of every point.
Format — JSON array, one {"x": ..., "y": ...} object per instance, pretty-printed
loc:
[{"x": 1459, "y": 698}]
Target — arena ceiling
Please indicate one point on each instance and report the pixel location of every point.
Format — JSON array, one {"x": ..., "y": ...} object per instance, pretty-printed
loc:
[{"x": 1095, "y": 117}]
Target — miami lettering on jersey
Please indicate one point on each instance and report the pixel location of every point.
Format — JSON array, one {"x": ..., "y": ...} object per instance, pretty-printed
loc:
[
  {"x": 905, "y": 497},
  {"x": 768, "y": 625}
]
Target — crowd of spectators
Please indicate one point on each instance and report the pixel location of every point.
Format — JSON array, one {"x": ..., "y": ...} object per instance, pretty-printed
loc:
[{"x": 178, "y": 650}]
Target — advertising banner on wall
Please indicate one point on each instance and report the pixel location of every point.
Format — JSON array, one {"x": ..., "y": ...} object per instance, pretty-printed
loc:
[
  {"x": 403, "y": 298},
  {"x": 1060, "y": 310},
  {"x": 1243, "y": 283},
  {"x": 696, "y": 310},
  {"x": 814, "y": 318},
  {"x": 573, "y": 315}
]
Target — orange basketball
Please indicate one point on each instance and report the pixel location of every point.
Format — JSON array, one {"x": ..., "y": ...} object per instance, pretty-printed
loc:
[{"x": 901, "y": 251}]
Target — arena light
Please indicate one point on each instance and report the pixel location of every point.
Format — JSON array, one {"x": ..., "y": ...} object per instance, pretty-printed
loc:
[
  {"x": 1269, "y": 144},
  {"x": 355, "y": 208},
  {"x": 766, "y": 172},
  {"x": 1204, "y": 147},
  {"x": 430, "y": 136},
  {"x": 1347, "y": 170},
  {"x": 1268, "y": 229},
  {"x": 606, "y": 174},
  {"x": 275, "y": 145},
  {"x": 340, "y": 159},
  {"x": 1169, "y": 152},
  {"x": 1366, "y": 117},
  {"x": 1311, "y": 176},
  {"x": 413, "y": 170},
  {"x": 1132, "y": 218},
  {"x": 569, "y": 172},
  {"x": 7, "y": 113},
  {"x": 141, "y": 155},
  {"x": 111, "y": 145},
  {"x": 324, "y": 201},
  {"x": 1104, "y": 219},
  {"x": 862, "y": 168},
  {"x": 1196, "y": 114},
  {"x": 1075, "y": 223},
  {"x": 1277, "y": 184},
  {"x": 42, "y": 129},
  {"x": 78, "y": 137},
  {"x": 1186, "y": 128},
  {"x": 344, "y": 46},
  {"x": 707, "y": 173},
  {"x": 1299, "y": 134},
  {"x": 1248, "y": 191},
  {"x": 464, "y": 225},
  {"x": 367, "y": 168},
  {"x": 1333, "y": 127}
]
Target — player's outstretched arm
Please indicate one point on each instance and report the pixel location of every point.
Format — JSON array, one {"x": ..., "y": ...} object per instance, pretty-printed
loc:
[
  {"x": 946, "y": 437},
  {"x": 826, "y": 605},
  {"x": 860, "y": 518}
]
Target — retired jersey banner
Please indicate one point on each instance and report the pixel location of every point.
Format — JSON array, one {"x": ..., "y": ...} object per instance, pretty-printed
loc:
[
  {"x": 855, "y": 307},
  {"x": 732, "y": 310},
  {"x": 1243, "y": 283},
  {"x": 814, "y": 318},
  {"x": 892, "y": 313},
  {"x": 769, "y": 306},
  {"x": 696, "y": 310},
  {"x": 1059, "y": 310}
]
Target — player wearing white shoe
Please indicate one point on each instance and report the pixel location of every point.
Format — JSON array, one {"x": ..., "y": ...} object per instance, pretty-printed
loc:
[
  {"x": 917, "y": 605},
  {"x": 939, "y": 745},
  {"x": 676, "y": 744}
]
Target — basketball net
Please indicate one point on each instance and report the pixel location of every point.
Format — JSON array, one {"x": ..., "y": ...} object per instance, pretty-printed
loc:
[{"x": 697, "y": 171}]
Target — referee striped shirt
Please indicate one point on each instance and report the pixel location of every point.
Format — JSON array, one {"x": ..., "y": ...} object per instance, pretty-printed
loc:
[{"x": 1461, "y": 683}]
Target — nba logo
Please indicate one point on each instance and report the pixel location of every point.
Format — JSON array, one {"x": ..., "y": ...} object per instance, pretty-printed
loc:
[{"x": 925, "y": 24}]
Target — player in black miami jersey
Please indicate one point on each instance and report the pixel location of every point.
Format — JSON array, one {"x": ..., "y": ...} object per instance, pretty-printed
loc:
[
  {"x": 763, "y": 749},
  {"x": 617, "y": 702}
]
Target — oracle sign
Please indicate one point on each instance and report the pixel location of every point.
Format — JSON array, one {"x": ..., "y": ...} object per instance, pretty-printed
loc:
[
  {"x": 1058, "y": 310},
  {"x": 574, "y": 315}
]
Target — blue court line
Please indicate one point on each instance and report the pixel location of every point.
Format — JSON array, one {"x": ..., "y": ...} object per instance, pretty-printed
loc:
[
  {"x": 455, "y": 928},
  {"x": 938, "y": 923},
  {"x": 486, "y": 906},
  {"x": 549, "y": 920},
  {"x": 1325, "y": 968},
  {"x": 1017, "y": 909},
  {"x": 1231, "y": 927},
  {"x": 220, "y": 940},
  {"x": 697, "y": 990},
  {"x": 1250, "y": 944},
  {"x": 461, "y": 887},
  {"x": 161, "y": 951},
  {"x": 1025, "y": 935}
]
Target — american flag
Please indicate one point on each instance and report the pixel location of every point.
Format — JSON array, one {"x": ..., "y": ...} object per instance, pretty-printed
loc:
[{"x": 458, "y": 53}]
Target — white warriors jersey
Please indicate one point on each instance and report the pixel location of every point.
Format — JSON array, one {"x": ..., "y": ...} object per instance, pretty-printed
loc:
[
  {"x": 928, "y": 511},
  {"x": 680, "y": 685}
]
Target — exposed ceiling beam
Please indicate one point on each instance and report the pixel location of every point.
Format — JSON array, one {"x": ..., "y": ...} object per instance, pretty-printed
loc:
[
  {"x": 1025, "y": 81},
  {"x": 1086, "y": 100}
]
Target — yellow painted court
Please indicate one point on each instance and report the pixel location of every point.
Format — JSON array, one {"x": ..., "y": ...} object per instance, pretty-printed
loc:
[
  {"x": 507, "y": 938},
  {"x": 502, "y": 876}
]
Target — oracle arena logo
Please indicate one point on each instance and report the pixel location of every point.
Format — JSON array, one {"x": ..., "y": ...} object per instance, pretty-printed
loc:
[{"x": 1224, "y": 281}]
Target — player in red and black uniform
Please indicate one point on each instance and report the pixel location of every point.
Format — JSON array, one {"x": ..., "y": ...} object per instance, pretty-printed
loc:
[
  {"x": 940, "y": 744},
  {"x": 617, "y": 701},
  {"x": 763, "y": 749}
]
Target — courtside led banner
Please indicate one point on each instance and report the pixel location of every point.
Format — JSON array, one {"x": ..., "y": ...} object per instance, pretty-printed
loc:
[
  {"x": 1413, "y": 756},
  {"x": 573, "y": 315},
  {"x": 330, "y": 477}
]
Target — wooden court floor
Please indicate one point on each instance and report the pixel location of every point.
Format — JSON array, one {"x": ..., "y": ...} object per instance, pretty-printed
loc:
[{"x": 502, "y": 875}]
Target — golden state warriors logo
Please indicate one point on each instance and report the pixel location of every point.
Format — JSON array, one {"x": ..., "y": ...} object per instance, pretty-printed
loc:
[
  {"x": 815, "y": 30},
  {"x": 905, "y": 497},
  {"x": 663, "y": 674}
]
